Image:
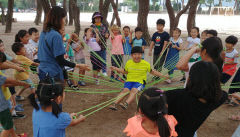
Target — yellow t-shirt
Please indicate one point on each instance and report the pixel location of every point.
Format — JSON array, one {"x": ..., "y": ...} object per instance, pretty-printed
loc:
[
  {"x": 27, "y": 62},
  {"x": 5, "y": 90},
  {"x": 137, "y": 72}
]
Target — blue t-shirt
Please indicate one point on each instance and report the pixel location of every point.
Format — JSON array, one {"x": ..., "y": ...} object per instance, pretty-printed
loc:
[
  {"x": 47, "y": 58},
  {"x": 158, "y": 39},
  {"x": 45, "y": 124},
  {"x": 127, "y": 47},
  {"x": 139, "y": 42},
  {"x": 3, "y": 101}
]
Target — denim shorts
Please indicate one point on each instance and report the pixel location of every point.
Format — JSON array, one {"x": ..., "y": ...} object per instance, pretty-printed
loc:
[
  {"x": 29, "y": 81},
  {"x": 131, "y": 85}
]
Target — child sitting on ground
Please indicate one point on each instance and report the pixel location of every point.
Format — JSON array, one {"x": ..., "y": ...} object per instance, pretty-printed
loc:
[
  {"x": 94, "y": 49},
  {"x": 79, "y": 56},
  {"x": 231, "y": 59},
  {"x": 139, "y": 40},
  {"x": 50, "y": 94},
  {"x": 152, "y": 119},
  {"x": 19, "y": 50},
  {"x": 136, "y": 78},
  {"x": 173, "y": 53}
]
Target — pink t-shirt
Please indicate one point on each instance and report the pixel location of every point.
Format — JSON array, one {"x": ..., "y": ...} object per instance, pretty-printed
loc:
[
  {"x": 135, "y": 129},
  {"x": 117, "y": 47}
]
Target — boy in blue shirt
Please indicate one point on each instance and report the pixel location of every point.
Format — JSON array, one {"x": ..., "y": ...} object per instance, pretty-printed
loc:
[
  {"x": 138, "y": 40},
  {"x": 127, "y": 47},
  {"x": 160, "y": 41}
]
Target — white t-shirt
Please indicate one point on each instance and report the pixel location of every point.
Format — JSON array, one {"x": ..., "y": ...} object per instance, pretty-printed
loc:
[
  {"x": 179, "y": 41},
  {"x": 34, "y": 44},
  {"x": 231, "y": 55},
  {"x": 192, "y": 41},
  {"x": 30, "y": 49}
]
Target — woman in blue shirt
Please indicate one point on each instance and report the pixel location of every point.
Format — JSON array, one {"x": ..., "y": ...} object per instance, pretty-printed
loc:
[{"x": 51, "y": 50}]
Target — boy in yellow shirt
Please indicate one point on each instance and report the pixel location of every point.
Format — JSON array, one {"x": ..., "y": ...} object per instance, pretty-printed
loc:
[
  {"x": 20, "y": 51},
  {"x": 136, "y": 70}
]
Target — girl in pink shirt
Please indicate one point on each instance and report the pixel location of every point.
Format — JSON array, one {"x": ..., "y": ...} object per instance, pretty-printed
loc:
[
  {"x": 153, "y": 119},
  {"x": 117, "y": 49}
]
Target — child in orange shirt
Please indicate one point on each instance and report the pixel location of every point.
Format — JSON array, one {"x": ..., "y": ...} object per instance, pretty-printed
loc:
[{"x": 153, "y": 119}]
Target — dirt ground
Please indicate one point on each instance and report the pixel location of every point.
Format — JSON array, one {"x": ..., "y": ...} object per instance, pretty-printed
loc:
[{"x": 106, "y": 123}]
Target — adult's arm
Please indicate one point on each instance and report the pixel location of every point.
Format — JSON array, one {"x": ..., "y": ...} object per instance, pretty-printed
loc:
[{"x": 63, "y": 62}]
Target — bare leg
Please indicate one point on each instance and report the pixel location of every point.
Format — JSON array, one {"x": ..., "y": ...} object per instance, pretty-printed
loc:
[
  {"x": 132, "y": 95},
  {"x": 21, "y": 91},
  {"x": 121, "y": 95},
  {"x": 6, "y": 133}
]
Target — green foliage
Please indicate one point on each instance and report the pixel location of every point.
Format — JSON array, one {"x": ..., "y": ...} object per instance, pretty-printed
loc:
[{"x": 4, "y": 3}]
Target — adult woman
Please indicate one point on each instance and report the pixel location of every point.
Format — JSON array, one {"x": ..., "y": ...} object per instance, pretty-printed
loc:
[
  {"x": 192, "y": 105},
  {"x": 103, "y": 34},
  {"x": 51, "y": 50}
]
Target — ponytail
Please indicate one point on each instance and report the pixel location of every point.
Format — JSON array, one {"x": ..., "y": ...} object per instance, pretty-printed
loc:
[
  {"x": 20, "y": 34},
  {"x": 17, "y": 39},
  {"x": 163, "y": 127},
  {"x": 55, "y": 108},
  {"x": 33, "y": 102}
]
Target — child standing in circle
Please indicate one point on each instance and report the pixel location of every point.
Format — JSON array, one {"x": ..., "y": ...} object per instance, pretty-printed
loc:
[
  {"x": 173, "y": 53},
  {"x": 152, "y": 119},
  {"x": 138, "y": 40},
  {"x": 127, "y": 47}
]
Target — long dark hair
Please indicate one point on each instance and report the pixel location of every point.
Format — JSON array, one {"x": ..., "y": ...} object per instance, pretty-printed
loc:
[
  {"x": 54, "y": 19},
  {"x": 204, "y": 82},
  {"x": 214, "y": 48},
  {"x": 3, "y": 57},
  {"x": 152, "y": 103},
  {"x": 197, "y": 28},
  {"x": 47, "y": 92},
  {"x": 20, "y": 34}
]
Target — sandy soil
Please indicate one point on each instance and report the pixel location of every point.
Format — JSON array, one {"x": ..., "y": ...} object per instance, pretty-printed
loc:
[{"x": 106, "y": 123}]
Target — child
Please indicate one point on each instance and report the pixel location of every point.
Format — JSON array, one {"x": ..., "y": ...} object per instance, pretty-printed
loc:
[
  {"x": 69, "y": 50},
  {"x": 47, "y": 117},
  {"x": 117, "y": 49},
  {"x": 160, "y": 41},
  {"x": 138, "y": 40},
  {"x": 94, "y": 52},
  {"x": 152, "y": 119},
  {"x": 204, "y": 35},
  {"x": 136, "y": 78},
  {"x": 20, "y": 51},
  {"x": 212, "y": 33},
  {"x": 5, "y": 115},
  {"x": 127, "y": 47},
  {"x": 78, "y": 55},
  {"x": 34, "y": 37},
  {"x": 231, "y": 59},
  {"x": 173, "y": 52}
]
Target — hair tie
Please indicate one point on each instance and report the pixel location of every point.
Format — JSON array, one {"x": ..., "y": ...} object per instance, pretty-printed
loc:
[
  {"x": 159, "y": 90},
  {"x": 159, "y": 112}
]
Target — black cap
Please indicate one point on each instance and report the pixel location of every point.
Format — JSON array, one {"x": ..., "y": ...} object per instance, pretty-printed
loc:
[{"x": 137, "y": 49}]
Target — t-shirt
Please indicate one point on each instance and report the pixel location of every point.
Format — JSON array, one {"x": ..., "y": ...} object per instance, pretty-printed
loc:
[
  {"x": 47, "y": 58},
  {"x": 34, "y": 44},
  {"x": 127, "y": 47},
  {"x": 30, "y": 49},
  {"x": 189, "y": 111},
  {"x": 26, "y": 63},
  {"x": 139, "y": 42},
  {"x": 117, "y": 46},
  {"x": 78, "y": 54},
  {"x": 135, "y": 129},
  {"x": 45, "y": 124},
  {"x": 9, "y": 58},
  {"x": 230, "y": 69},
  {"x": 5, "y": 90},
  {"x": 192, "y": 41},
  {"x": 137, "y": 72},
  {"x": 93, "y": 45},
  {"x": 3, "y": 101},
  {"x": 158, "y": 39},
  {"x": 70, "y": 50}
]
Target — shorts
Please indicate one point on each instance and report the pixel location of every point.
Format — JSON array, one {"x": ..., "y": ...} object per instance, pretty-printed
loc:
[
  {"x": 6, "y": 119},
  {"x": 80, "y": 61},
  {"x": 96, "y": 62},
  {"x": 225, "y": 77},
  {"x": 12, "y": 90},
  {"x": 131, "y": 85},
  {"x": 29, "y": 81}
]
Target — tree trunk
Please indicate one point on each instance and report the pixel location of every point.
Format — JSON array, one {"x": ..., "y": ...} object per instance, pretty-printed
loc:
[
  {"x": 76, "y": 17},
  {"x": 220, "y": 3},
  {"x": 71, "y": 12},
  {"x": 142, "y": 18},
  {"x": 46, "y": 7},
  {"x": 65, "y": 7},
  {"x": 237, "y": 6},
  {"x": 115, "y": 9},
  {"x": 192, "y": 15},
  {"x": 183, "y": 4},
  {"x": 113, "y": 19},
  {"x": 9, "y": 16},
  {"x": 100, "y": 6},
  {"x": 39, "y": 12},
  {"x": 174, "y": 20},
  {"x": 3, "y": 14},
  {"x": 53, "y": 2},
  {"x": 104, "y": 11}
]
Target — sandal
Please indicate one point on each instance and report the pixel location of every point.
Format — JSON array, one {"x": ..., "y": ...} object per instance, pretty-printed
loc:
[
  {"x": 124, "y": 105},
  {"x": 113, "y": 107},
  {"x": 235, "y": 117},
  {"x": 233, "y": 103},
  {"x": 22, "y": 135}
]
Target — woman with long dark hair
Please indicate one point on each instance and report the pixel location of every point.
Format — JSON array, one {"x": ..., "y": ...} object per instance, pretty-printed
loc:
[{"x": 51, "y": 50}]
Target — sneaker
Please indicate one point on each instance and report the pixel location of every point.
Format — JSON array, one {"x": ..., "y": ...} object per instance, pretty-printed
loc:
[
  {"x": 168, "y": 81},
  {"x": 18, "y": 116},
  {"x": 97, "y": 82},
  {"x": 20, "y": 105},
  {"x": 124, "y": 105},
  {"x": 113, "y": 107},
  {"x": 69, "y": 83},
  {"x": 81, "y": 83},
  {"x": 105, "y": 74},
  {"x": 19, "y": 109},
  {"x": 74, "y": 87},
  {"x": 19, "y": 98},
  {"x": 183, "y": 79},
  {"x": 22, "y": 135}
]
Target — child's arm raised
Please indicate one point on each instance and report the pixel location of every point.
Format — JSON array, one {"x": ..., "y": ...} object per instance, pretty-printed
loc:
[
  {"x": 77, "y": 120},
  {"x": 156, "y": 73},
  {"x": 118, "y": 70},
  {"x": 130, "y": 38}
]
